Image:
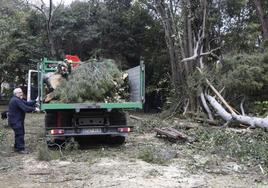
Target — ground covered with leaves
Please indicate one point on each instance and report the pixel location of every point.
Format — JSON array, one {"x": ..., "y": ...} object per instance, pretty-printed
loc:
[{"x": 217, "y": 158}]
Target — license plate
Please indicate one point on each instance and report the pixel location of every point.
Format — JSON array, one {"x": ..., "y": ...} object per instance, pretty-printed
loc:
[{"x": 92, "y": 130}]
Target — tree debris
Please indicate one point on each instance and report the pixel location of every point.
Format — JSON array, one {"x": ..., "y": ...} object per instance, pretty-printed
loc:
[
  {"x": 172, "y": 134},
  {"x": 94, "y": 80}
]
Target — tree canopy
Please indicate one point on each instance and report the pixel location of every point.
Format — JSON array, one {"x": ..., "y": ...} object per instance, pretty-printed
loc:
[{"x": 223, "y": 37}]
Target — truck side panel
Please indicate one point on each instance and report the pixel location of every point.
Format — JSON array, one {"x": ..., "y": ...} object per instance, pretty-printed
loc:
[{"x": 135, "y": 83}]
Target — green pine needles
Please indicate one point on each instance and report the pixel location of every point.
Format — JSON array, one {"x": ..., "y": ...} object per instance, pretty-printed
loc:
[{"x": 94, "y": 81}]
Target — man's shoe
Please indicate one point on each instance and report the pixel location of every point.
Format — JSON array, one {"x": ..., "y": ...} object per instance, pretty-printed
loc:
[{"x": 23, "y": 152}]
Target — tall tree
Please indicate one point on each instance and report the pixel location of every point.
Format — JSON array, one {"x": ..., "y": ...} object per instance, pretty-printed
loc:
[
  {"x": 48, "y": 12},
  {"x": 263, "y": 16}
]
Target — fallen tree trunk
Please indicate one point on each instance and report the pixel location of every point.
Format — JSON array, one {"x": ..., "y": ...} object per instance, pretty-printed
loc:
[
  {"x": 218, "y": 108},
  {"x": 251, "y": 121},
  {"x": 247, "y": 120}
]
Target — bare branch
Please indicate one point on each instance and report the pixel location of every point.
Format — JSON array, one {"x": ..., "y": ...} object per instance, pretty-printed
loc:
[
  {"x": 149, "y": 5},
  {"x": 218, "y": 94},
  {"x": 242, "y": 106},
  {"x": 43, "y": 3},
  {"x": 195, "y": 56},
  {"x": 50, "y": 11},
  {"x": 210, "y": 52},
  {"x": 55, "y": 10},
  {"x": 39, "y": 9}
]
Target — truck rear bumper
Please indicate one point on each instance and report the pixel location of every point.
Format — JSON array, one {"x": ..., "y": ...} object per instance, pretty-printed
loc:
[{"x": 73, "y": 132}]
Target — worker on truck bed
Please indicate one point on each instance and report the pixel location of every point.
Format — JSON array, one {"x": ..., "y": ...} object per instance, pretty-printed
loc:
[{"x": 16, "y": 115}]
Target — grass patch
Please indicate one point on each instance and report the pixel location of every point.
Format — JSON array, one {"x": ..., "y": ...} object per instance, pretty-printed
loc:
[
  {"x": 149, "y": 124},
  {"x": 156, "y": 155},
  {"x": 244, "y": 146},
  {"x": 46, "y": 154},
  {"x": 2, "y": 135}
]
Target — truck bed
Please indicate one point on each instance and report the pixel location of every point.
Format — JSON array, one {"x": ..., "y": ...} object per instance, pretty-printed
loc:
[{"x": 137, "y": 92}]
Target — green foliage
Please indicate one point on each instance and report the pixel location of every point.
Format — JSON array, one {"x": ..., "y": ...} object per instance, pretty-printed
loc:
[
  {"x": 71, "y": 145},
  {"x": 93, "y": 80},
  {"x": 242, "y": 146},
  {"x": 149, "y": 124},
  {"x": 126, "y": 30},
  {"x": 17, "y": 44},
  {"x": 43, "y": 153},
  {"x": 245, "y": 74},
  {"x": 261, "y": 108}
]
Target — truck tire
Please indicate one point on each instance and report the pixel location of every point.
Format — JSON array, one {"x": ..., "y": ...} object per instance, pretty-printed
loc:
[{"x": 116, "y": 140}]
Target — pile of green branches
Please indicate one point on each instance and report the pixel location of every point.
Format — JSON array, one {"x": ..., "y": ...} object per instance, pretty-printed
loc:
[{"x": 94, "y": 81}]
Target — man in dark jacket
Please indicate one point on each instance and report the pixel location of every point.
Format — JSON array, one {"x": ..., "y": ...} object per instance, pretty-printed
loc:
[{"x": 16, "y": 115}]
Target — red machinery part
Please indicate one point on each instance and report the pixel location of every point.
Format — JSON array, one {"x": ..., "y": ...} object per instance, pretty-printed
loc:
[{"x": 73, "y": 58}]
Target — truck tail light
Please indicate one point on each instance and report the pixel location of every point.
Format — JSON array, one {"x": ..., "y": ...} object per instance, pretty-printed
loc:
[
  {"x": 56, "y": 131},
  {"x": 124, "y": 130}
]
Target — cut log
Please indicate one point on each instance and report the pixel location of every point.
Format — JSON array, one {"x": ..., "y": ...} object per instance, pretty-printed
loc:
[
  {"x": 173, "y": 134},
  {"x": 168, "y": 133},
  {"x": 209, "y": 121},
  {"x": 136, "y": 117}
]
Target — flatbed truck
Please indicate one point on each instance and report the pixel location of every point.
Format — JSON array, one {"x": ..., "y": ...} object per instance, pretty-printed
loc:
[{"x": 65, "y": 120}]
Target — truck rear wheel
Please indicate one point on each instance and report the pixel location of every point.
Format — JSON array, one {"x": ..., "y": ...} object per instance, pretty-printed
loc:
[{"x": 116, "y": 140}]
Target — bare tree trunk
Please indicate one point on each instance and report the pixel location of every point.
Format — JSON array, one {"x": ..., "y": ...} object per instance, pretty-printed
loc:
[
  {"x": 170, "y": 33},
  {"x": 218, "y": 108},
  {"x": 263, "y": 18},
  {"x": 48, "y": 15},
  {"x": 205, "y": 105},
  {"x": 49, "y": 28},
  {"x": 228, "y": 117}
]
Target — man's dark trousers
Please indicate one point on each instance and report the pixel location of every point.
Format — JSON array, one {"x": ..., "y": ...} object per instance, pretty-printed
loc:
[{"x": 19, "y": 131}]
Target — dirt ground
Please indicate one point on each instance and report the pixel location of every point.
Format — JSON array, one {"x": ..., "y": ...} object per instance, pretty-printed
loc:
[{"x": 102, "y": 165}]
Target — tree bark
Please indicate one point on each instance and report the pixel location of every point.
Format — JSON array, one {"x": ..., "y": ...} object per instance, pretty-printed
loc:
[
  {"x": 205, "y": 105},
  {"x": 170, "y": 36},
  {"x": 49, "y": 17},
  {"x": 251, "y": 121},
  {"x": 49, "y": 29},
  {"x": 247, "y": 120},
  {"x": 218, "y": 108},
  {"x": 262, "y": 17}
]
